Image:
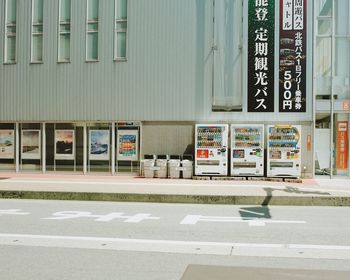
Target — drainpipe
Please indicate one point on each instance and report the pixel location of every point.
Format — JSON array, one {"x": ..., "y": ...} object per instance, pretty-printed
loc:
[{"x": 332, "y": 92}]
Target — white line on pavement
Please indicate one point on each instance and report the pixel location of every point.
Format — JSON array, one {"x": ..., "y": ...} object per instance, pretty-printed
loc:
[{"x": 182, "y": 247}]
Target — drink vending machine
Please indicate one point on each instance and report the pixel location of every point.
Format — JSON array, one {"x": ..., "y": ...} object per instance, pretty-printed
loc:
[
  {"x": 247, "y": 150},
  {"x": 211, "y": 149},
  {"x": 284, "y": 150}
]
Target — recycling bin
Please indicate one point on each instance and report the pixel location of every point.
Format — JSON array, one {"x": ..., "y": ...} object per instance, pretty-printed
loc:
[
  {"x": 148, "y": 166},
  {"x": 161, "y": 167},
  {"x": 187, "y": 166},
  {"x": 174, "y": 167}
]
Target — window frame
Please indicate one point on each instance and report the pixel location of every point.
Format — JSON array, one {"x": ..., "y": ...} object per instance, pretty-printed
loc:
[
  {"x": 116, "y": 31},
  {"x": 60, "y": 32},
  {"x": 87, "y": 31},
  {"x": 6, "y": 35},
  {"x": 32, "y": 34}
]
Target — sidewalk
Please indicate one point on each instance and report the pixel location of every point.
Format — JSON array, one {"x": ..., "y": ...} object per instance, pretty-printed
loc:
[{"x": 318, "y": 191}]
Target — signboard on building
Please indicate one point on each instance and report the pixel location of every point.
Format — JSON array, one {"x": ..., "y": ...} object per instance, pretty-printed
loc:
[
  {"x": 99, "y": 145},
  {"x": 342, "y": 145},
  {"x": 64, "y": 144},
  {"x": 127, "y": 145},
  {"x": 7, "y": 144},
  {"x": 261, "y": 29},
  {"x": 292, "y": 56},
  {"x": 31, "y": 144}
]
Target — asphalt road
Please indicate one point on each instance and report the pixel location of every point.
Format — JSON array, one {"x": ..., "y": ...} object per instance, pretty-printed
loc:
[{"x": 109, "y": 240}]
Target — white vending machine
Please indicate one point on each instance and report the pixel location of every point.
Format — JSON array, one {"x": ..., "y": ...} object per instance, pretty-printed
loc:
[
  {"x": 247, "y": 150},
  {"x": 284, "y": 150},
  {"x": 211, "y": 152}
]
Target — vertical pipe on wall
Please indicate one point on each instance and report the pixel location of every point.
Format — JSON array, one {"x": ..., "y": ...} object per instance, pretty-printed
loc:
[
  {"x": 113, "y": 148},
  {"x": 84, "y": 149},
  {"x": 332, "y": 93},
  {"x": 43, "y": 141},
  {"x": 213, "y": 48},
  {"x": 17, "y": 147},
  {"x": 349, "y": 91},
  {"x": 314, "y": 35}
]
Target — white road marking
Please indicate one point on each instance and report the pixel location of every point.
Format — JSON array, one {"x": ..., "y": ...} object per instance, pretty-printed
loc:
[
  {"x": 251, "y": 212},
  {"x": 66, "y": 215},
  {"x": 252, "y": 221},
  {"x": 13, "y": 212},
  {"x": 183, "y": 247}
]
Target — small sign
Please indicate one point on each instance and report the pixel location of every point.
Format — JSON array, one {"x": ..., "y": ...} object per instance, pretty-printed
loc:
[{"x": 202, "y": 153}]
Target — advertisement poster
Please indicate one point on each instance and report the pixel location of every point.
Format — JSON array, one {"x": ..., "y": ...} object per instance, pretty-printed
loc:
[
  {"x": 99, "y": 145},
  {"x": 127, "y": 145},
  {"x": 292, "y": 57},
  {"x": 342, "y": 145},
  {"x": 7, "y": 144},
  {"x": 261, "y": 42},
  {"x": 30, "y": 146},
  {"x": 64, "y": 144}
]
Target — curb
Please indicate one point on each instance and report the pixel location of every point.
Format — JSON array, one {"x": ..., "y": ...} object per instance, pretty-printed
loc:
[{"x": 194, "y": 199}]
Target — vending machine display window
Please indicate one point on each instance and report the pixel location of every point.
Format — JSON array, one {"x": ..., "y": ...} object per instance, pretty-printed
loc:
[
  {"x": 247, "y": 150},
  {"x": 211, "y": 149},
  {"x": 284, "y": 151}
]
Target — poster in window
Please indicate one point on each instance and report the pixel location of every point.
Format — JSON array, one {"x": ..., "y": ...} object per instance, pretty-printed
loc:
[
  {"x": 127, "y": 145},
  {"x": 7, "y": 144},
  {"x": 64, "y": 144},
  {"x": 99, "y": 145},
  {"x": 30, "y": 144}
]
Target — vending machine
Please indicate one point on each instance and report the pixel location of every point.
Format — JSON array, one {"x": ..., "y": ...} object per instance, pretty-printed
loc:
[
  {"x": 247, "y": 150},
  {"x": 211, "y": 153},
  {"x": 284, "y": 150}
]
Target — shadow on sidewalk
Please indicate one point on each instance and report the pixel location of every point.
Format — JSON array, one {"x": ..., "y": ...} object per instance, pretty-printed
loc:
[
  {"x": 287, "y": 190},
  {"x": 263, "y": 211}
]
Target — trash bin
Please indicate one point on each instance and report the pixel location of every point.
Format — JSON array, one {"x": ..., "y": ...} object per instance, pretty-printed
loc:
[
  {"x": 148, "y": 166},
  {"x": 174, "y": 167},
  {"x": 187, "y": 166},
  {"x": 161, "y": 169}
]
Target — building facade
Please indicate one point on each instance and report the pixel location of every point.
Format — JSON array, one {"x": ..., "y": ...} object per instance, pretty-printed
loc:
[
  {"x": 76, "y": 76},
  {"x": 332, "y": 87}
]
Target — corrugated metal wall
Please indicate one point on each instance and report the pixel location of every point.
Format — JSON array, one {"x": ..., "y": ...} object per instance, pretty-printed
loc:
[
  {"x": 155, "y": 83},
  {"x": 168, "y": 75}
]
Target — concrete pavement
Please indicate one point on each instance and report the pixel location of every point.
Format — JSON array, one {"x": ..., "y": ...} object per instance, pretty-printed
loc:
[{"x": 320, "y": 191}]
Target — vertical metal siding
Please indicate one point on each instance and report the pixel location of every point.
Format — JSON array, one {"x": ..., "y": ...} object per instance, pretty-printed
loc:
[{"x": 167, "y": 75}]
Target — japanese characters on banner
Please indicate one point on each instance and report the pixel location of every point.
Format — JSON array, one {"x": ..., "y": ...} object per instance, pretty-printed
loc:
[
  {"x": 261, "y": 29},
  {"x": 292, "y": 65},
  {"x": 342, "y": 145}
]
